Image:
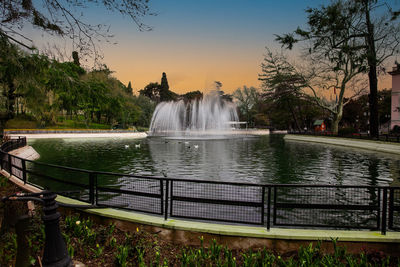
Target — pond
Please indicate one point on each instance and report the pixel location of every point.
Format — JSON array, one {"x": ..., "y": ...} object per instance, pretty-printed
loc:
[{"x": 265, "y": 159}]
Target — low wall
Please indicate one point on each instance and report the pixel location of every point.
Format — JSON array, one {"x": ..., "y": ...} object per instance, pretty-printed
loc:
[
  {"x": 85, "y": 135},
  {"x": 379, "y": 146}
]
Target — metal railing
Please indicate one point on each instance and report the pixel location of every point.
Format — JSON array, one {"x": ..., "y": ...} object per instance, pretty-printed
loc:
[
  {"x": 269, "y": 205},
  {"x": 382, "y": 137}
]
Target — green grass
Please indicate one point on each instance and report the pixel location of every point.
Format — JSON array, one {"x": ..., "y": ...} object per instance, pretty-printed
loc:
[{"x": 21, "y": 123}]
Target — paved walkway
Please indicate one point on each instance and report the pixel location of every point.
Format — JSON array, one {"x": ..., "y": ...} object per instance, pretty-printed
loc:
[
  {"x": 83, "y": 135},
  {"x": 379, "y": 146}
]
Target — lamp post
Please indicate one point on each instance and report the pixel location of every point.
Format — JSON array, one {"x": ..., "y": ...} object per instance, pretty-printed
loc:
[{"x": 55, "y": 252}]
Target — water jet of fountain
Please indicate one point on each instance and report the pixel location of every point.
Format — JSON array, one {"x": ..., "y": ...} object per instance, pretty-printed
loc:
[{"x": 209, "y": 116}]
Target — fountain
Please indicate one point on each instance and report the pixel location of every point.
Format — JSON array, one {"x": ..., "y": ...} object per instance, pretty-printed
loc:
[{"x": 210, "y": 116}]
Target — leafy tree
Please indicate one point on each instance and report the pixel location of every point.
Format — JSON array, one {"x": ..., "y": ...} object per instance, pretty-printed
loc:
[
  {"x": 193, "y": 95},
  {"x": 129, "y": 88},
  {"x": 22, "y": 77},
  {"x": 355, "y": 114},
  {"x": 46, "y": 89},
  {"x": 164, "y": 88},
  {"x": 159, "y": 92},
  {"x": 75, "y": 57},
  {"x": 146, "y": 110},
  {"x": 11, "y": 67},
  {"x": 226, "y": 97},
  {"x": 247, "y": 98},
  {"x": 152, "y": 91},
  {"x": 165, "y": 93},
  {"x": 64, "y": 79},
  {"x": 285, "y": 91},
  {"x": 282, "y": 83}
]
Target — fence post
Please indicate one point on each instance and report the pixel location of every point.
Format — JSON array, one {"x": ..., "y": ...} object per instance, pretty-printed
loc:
[
  {"x": 162, "y": 196},
  {"x": 384, "y": 211},
  {"x": 275, "y": 199},
  {"x": 9, "y": 164},
  {"x": 391, "y": 204},
  {"x": 263, "y": 204},
  {"x": 23, "y": 170},
  {"x": 166, "y": 199},
  {"x": 92, "y": 179},
  {"x": 269, "y": 208}
]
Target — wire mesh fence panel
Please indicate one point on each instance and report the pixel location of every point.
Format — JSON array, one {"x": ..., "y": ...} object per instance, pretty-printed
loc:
[
  {"x": 217, "y": 202},
  {"x": 335, "y": 207},
  {"x": 16, "y": 167},
  {"x": 139, "y": 194},
  {"x": 68, "y": 182},
  {"x": 394, "y": 209}
]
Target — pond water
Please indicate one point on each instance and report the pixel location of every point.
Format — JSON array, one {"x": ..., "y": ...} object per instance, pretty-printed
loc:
[{"x": 265, "y": 159}]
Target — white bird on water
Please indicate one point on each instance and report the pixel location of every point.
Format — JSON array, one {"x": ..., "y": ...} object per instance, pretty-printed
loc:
[
  {"x": 137, "y": 146},
  {"x": 186, "y": 143},
  {"x": 196, "y": 146},
  {"x": 126, "y": 146}
]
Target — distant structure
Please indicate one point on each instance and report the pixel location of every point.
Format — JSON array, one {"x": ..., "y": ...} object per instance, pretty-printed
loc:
[
  {"x": 395, "y": 108},
  {"x": 319, "y": 126}
]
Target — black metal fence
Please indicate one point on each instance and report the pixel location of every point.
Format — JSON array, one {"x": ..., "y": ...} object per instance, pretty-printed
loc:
[
  {"x": 326, "y": 206},
  {"x": 382, "y": 137}
]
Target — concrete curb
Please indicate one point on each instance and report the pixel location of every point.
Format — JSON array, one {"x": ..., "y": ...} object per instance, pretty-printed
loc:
[
  {"x": 83, "y": 135},
  {"x": 379, "y": 146}
]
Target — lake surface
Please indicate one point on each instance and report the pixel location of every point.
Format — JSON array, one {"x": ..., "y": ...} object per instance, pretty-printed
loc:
[{"x": 265, "y": 159}]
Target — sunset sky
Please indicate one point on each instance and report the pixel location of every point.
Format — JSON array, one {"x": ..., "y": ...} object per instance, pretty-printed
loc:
[{"x": 199, "y": 42}]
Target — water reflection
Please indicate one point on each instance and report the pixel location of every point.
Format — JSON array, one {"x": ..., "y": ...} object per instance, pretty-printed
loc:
[{"x": 268, "y": 159}]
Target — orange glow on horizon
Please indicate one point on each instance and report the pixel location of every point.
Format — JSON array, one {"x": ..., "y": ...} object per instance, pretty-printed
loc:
[{"x": 196, "y": 78}]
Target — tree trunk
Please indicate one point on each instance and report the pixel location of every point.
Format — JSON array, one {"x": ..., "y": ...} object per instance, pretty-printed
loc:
[
  {"x": 10, "y": 97},
  {"x": 293, "y": 115},
  {"x": 373, "y": 81},
  {"x": 2, "y": 126},
  {"x": 337, "y": 117}
]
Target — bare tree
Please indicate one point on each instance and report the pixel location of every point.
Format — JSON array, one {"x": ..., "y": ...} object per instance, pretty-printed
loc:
[
  {"x": 364, "y": 31},
  {"x": 247, "y": 99},
  {"x": 381, "y": 35},
  {"x": 312, "y": 80},
  {"x": 66, "y": 19}
]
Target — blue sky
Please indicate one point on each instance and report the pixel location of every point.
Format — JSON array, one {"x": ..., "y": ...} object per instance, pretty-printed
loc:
[{"x": 199, "y": 42}]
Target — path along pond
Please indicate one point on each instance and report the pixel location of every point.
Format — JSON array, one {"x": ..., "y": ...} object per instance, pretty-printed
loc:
[{"x": 264, "y": 159}]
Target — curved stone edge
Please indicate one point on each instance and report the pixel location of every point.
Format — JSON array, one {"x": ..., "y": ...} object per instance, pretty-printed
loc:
[
  {"x": 225, "y": 230},
  {"x": 378, "y": 146},
  {"x": 26, "y": 152},
  {"x": 83, "y": 135}
]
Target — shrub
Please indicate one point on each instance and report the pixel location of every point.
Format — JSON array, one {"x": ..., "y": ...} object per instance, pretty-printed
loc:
[
  {"x": 396, "y": 129},
  {"x": 346, "y": 131}
]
